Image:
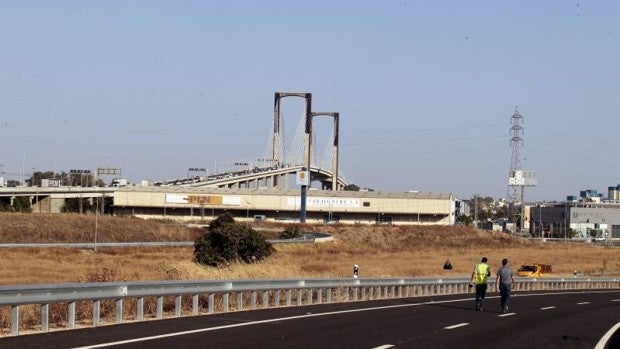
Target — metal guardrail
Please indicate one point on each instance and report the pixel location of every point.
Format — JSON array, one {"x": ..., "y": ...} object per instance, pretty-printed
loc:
[
  {"x": 245, "y": 294},
  {"x": 91, "y": 245},
  {"x": 306, "y": 238}
]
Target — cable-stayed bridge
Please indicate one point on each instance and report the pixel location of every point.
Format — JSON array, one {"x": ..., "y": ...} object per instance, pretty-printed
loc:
[{"x": 283, "y": 162}]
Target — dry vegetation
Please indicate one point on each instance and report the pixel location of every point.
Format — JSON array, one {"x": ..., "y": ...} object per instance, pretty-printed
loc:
[{"x": 379, "y": 251}]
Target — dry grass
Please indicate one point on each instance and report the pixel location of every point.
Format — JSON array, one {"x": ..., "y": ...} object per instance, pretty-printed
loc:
[{"x": 378, "y": 250}]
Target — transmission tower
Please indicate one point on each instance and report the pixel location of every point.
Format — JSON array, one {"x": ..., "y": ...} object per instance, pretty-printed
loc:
[
  {"x": 517, "y": 178},
  {"x": 516, "y": 141}
]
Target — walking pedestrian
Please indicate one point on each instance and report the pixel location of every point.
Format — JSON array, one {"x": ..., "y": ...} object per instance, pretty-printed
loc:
[
  {"x": 503, "y": 283},
  {"x": 479, "y": 279}
]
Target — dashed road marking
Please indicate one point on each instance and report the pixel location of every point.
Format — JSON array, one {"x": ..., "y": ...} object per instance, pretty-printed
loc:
[
  {"x": 615, "y": 300},
  {"x": 456, "y": 326},
  {"x": 507, "y": 314},
  {"x": 547, "y": 308},
  {"x": 583, "y": 303},
  {"x": 385, "y": 346}
]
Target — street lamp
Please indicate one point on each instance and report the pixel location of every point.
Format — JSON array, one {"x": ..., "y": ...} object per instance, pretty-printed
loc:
[{"x": 21, "y": 176}]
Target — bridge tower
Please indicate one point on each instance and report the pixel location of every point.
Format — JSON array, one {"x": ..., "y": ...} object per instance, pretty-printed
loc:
[
  {"x": 277, "y": 117},
  {"x": 336, "y": 117}
]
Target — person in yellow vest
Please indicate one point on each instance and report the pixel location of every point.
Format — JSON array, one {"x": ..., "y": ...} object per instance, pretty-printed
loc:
[{"x": 479, "y": 279}]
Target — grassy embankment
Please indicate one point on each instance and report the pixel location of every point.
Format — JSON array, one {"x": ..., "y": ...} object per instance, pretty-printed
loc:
[{"x": 379, "y": 251}]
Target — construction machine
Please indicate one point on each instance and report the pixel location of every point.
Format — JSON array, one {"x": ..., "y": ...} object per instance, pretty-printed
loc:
[{"x": 534, "y": 270}]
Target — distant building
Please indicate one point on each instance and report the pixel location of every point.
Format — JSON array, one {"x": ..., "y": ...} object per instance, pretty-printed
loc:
[{"x": 590, "y": 215}]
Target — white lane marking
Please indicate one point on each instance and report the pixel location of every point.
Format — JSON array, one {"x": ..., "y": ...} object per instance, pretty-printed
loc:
[
  {"x": 507, "y": 314},
  {"x": 243, "y": 324},
  {"x": 547, "y": 308},
  {"x": 606, "y": 336},
  {"x": 583, "y": 303},
  {"x": 208, "y": 329},
  {"x": 385, "y": 346},
  {"x": 456, "y": 326},
  {"x": 615, "y": 300}
]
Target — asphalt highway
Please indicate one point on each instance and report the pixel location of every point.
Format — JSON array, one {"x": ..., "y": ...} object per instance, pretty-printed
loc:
[{"x": 535, "y": 320}]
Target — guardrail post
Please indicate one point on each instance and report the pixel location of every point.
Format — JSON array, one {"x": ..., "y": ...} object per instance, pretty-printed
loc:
[
  {"x": 310, "y": 296},
  {"x": 119, "y": 311},
  {"x": 300, "y": 295},
  {"x": 211, "y": 303},
  {"x": 15, "y": 320},
  {"x": 160, "y": 307},
  {"x": 346, "y": 294},
  {"x": 329, "y": 295},
  {"x": 45, "y": 317},
  {"x": 140, "y": 306},
  {"x": 276, "y": 298},
  {"x": 400, "y": 292},
  {"x": 363, "y": 293},
  {"x": 96, "y": 313},
  {"x": 225, "y": 298},
  {"x": 265, "y": 299},
  {"x": 240, "y": 301},
  {"x": 71, "y": 316},
  {"x": 288, "y": 297},
  {"x": 195, "y": 304},
  {"x": 253, "y": 300},
  {"x": 319, "y": 296},
  {"x": 177, "y": 305},
  {"x": 372, "y": 293}
]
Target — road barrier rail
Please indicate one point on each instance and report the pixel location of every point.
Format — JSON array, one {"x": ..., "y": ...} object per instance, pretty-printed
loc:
[{"x": 211, "y": 296}]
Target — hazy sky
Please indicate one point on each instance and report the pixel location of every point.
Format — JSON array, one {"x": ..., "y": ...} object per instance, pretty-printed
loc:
[{"x": 425, "y": 89}]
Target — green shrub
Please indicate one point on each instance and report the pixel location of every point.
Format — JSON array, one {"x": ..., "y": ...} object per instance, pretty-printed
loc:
[
  {"x": 227, "y": 241},
  {"x": 290, "y": 232},
  {"x": 22, "y": 204}
]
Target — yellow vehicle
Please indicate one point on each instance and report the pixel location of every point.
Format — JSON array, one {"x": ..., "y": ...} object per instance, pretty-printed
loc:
[{"x": 534, "y": 270}]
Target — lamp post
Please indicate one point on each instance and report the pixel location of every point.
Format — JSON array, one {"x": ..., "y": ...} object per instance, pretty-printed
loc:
[
  {"x": 96, "y": 221},
  {"x": 475, "y": 211},
  {"x": 21, "y": 176}
]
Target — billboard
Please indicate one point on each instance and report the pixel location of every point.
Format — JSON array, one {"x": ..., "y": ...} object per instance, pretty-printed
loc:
[{"x": 203, "y": 199}]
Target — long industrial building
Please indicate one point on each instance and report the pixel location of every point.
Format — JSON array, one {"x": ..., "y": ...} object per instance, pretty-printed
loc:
[{"x": 323, "y": 206}]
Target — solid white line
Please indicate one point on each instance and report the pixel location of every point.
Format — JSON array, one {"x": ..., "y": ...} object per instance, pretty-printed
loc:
[
  {"x": 507, "y": 314},
  {"x": 615, "y": 300},
  {"x": 583, "y": 303},
  {"x": 385, "y": 346},
  {"x": 547, "y": 308},
  {"x": 175, "y": 334},
  {"x": 209, "y": 329},
  {"x": 456, "y": 326},
  {"x": 605, "y": 338}
]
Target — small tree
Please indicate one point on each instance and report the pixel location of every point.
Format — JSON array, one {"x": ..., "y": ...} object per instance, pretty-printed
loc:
[
  {"x": 227, "y": 241},
  {"x": 78, "y": 205},
  {"x": 22, "y": 204},
  {"x": 465, "y": 219}
]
